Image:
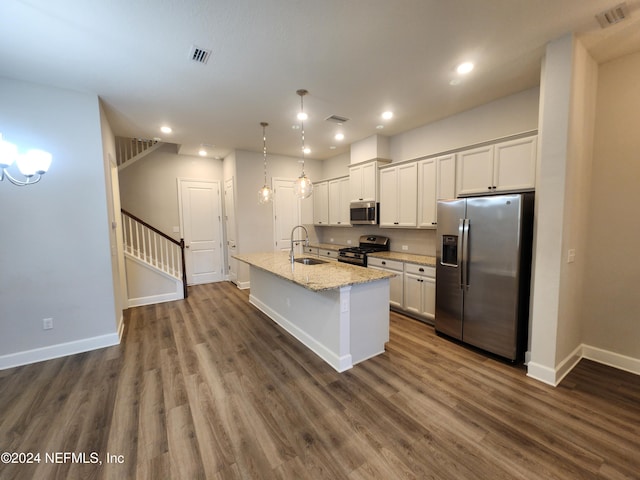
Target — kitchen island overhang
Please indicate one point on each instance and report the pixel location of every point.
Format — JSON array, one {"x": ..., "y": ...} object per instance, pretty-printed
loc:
[{"x": 339, "y": 311}]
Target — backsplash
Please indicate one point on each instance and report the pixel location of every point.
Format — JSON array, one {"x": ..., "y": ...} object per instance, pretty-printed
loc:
[{"x": 420, "y": 242}]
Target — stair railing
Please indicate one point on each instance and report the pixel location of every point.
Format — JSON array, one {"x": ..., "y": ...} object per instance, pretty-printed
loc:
[{"x": 156, "y": 248}]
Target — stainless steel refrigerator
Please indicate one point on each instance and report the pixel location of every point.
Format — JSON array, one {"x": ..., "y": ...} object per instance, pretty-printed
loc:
[{"x": 483, "y": 271}]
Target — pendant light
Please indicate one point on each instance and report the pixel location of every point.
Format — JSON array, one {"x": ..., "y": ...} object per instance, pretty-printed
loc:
[
  {"x": 302, "y": 188},
  {"x": 265, "y": 194}
]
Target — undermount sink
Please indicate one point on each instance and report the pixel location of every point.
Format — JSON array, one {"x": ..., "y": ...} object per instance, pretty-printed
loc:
[{"x": 309, "y": 261}]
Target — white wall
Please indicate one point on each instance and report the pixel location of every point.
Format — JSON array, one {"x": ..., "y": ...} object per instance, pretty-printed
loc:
[
  {"x": 506, "y": 116},
  {"x": 255, "y": 221},
  {"x": 611, "y": 310},
  {"x": 55, "y": 258},
  {"x": 149, "y": 187}
]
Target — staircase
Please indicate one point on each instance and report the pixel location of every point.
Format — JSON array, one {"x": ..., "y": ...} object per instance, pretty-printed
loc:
[
  {"x": 154, "y": 263},
  {"x": 130, "y": 150}
]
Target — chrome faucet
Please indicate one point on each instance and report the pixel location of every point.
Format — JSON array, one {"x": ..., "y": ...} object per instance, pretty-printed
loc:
[{"x": 306, "y": 241}]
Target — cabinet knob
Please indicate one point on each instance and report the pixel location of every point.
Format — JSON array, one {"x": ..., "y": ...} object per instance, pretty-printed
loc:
[
  {"x": 434, "y": 223},
  {"x": 383, "y": 262},
  {"x": 396, "y": 223},
  {"x": 421, "y": 269}
]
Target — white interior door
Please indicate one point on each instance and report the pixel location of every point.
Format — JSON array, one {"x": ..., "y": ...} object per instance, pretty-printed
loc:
[
  {"x": 286, "y": 212},
  {"x": 230, "y": 223},
  {"x": 201, "y": 224}
]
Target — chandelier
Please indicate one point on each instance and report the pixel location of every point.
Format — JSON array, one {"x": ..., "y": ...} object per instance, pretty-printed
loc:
[
  {"x": 265, "y": 194},
  {"x": 302, "y": 188},
  {"x": 32, "y": 165}
]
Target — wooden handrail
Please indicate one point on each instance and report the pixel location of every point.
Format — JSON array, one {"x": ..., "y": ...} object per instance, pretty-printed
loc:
[
  {"x": 179, "y": 243},
  {"x": 139, "y": 220}
]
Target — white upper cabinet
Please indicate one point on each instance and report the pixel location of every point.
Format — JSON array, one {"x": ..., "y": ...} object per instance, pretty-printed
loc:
[
  {"x": 363, "y": 179},
  {"x": 505, "y": 166},
  {"x": 339, "y": 190},
  {"x": 436, "y": 181},
  {"x": 514, "y": 166},
  {"x": 398, "y": 195},
  {"x": 321, "y": 203}
]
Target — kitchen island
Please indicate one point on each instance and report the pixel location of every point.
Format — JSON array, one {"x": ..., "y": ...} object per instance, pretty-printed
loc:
[{"x": 339, "y": 311}]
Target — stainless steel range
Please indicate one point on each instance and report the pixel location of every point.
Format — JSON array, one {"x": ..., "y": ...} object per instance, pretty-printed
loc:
[{"x": 368, "y": 244}]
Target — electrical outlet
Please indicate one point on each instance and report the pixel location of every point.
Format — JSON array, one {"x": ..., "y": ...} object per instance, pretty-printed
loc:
[
  {"x": 348, "y": 242},
  {"x": 571, "y": 255},
  {"x": 405, "y": 247},
  {"x": 47, "y": 323}
]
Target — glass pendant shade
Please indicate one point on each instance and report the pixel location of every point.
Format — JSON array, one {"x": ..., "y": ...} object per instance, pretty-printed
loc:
[
  {"x": 303, "y": 187},
  {"x": 265, "y": 194},
  {"x": 34, "y": 162}
]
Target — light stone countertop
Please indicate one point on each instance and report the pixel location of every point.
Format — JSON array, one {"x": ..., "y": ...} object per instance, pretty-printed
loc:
[
  {"x": 406, "y": 257},
  {"x": 325, "y": 276},
  {"x": 327, "y": 246}
]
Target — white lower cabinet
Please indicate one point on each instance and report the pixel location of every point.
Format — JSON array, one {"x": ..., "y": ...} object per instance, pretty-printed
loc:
[
  {"x": 420, "y": 290},
  {"x": 396, "y": 284},
  {"x": 413, "y": 290}
]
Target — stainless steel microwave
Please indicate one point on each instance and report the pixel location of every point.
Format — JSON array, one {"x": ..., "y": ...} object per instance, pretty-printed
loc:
[{"x": 363, "y": 213}]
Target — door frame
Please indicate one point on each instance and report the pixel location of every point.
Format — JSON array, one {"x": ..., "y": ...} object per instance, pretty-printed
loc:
[
  {"x": 275, "y": 182},
  {"x": 216, "y": 183}
]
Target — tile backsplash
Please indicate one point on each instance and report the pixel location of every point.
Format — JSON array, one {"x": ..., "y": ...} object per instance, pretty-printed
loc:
[{"x": 420, "y": 242}]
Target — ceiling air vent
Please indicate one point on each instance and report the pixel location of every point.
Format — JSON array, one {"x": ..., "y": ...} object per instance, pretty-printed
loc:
[
  {"x": 336, "y": 119},
  {"x": 613, "y": 15},
  {"x": 199, "y": 55}
]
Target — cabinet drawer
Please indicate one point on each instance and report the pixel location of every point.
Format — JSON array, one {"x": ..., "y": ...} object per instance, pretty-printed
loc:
[
  {"x": 328, "y": 253},
  {"x": 420, "y": 270},
  {"x": 384, "y": 263},
  {"x": 311, "y": 251}
]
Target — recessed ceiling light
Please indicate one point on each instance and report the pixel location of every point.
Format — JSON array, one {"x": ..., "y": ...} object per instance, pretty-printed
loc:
[
  {"x": 306, "y": 150},
  {"x": 339, "y": 136},
  {"x": 302, "y": 116},
  {"x": 379, "y": 127},
  {"x": 464, "y": 68},
  {"x": 165, "y": 129},
  {"x": 202, "y": 152},
  {"x": 295, "y": 127},
  {"x": 387, "y": 115},
  {"x": 454, "y": 81},
  {"x": 332, "y": 147}
]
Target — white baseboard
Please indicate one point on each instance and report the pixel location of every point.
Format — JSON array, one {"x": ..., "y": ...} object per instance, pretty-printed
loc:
[
  {"x": 56, "y": 351},
  {"x": 340, "y": 364},
  {"x": 243, "y": 285},
  {"x": 553, "y": 376},
  {"x": 150, "y": 300}
]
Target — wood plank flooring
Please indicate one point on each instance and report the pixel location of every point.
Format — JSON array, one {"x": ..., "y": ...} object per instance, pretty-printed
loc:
[{"x": 209, "y": 388}]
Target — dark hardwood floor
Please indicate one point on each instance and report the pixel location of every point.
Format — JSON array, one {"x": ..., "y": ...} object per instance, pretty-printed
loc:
[{"x": 209, "y": 388}]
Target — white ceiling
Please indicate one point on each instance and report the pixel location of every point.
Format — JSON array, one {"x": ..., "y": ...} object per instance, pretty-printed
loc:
[{"x": 356, "y": 58}]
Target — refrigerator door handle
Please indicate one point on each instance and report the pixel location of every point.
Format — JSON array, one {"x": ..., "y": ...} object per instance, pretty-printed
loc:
[
  {"x": 465, "y": 254},
  {"x": 460, "y": 252}
]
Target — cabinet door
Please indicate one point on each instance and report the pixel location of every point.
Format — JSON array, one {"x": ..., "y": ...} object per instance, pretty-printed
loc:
[
  {"x": 515, "y": 164},
  {"x": 474, "y": 171},
  {"x": 355, "y": 183},
  {"x": 334, "y": 202},
  {"x": 429, "y": 297},
  {"x": 321, "y": 203},
  {"x": 407, "y": 203},
  {"x": 413, "y": 293},
  {"x": 370, "y": 182},
  {"x": 446, "y": 171},
  {"x": 388, "y": 197},
  {"x": 427, "y": 193},
  {"x": 343, "y": 215},
  {"x": 396, "y": 287}
]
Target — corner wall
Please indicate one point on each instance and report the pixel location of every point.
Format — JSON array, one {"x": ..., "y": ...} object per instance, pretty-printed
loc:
[
  {"x": 611, "y": 310},
  {"x": 55, "y": 260}
]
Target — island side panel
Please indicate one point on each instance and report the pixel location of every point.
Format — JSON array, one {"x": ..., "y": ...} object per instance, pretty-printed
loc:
[
  {"x": 314, "y": 318},
  {"x": 369, "y": 319}
]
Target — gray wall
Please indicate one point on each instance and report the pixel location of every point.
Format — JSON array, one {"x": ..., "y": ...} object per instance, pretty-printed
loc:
[{"x": 55, "y": 258}]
